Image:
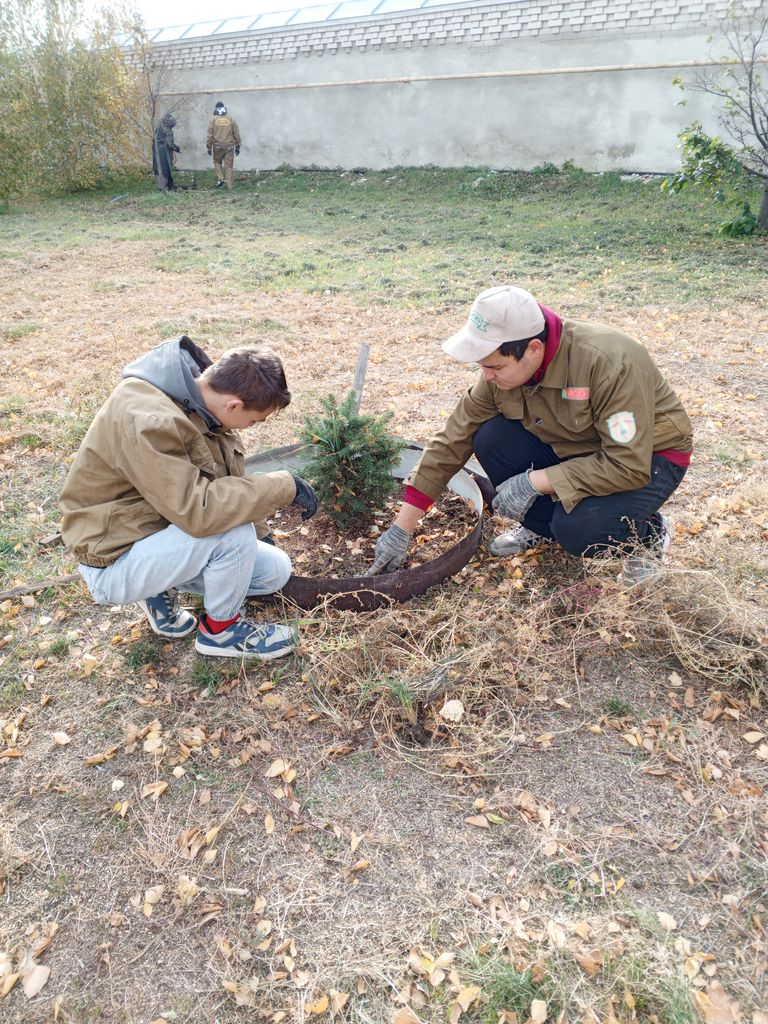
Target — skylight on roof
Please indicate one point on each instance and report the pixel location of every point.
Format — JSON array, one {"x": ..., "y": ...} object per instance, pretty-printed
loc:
[
  {"x": 354, "y": 9},
  {"x": 297, "y": 16}
]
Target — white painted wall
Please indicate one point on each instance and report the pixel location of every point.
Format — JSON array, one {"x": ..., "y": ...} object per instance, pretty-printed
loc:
[{"x": 625, "y": 120}]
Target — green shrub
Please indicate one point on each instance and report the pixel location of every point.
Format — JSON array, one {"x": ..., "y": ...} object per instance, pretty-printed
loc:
[
  {"x": 352, "y": 460},
  {"x": 710, "y": 164}
]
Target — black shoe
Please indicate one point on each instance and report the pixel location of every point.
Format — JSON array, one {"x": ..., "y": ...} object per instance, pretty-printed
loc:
[{"x": 220, "y": 183}]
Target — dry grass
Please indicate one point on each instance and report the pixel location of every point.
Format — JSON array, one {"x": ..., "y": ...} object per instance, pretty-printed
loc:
[{"x": 609, "y": 765}]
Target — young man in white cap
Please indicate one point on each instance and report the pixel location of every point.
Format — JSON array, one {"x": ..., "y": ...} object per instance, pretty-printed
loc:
[{"x": 574, "y": 425}]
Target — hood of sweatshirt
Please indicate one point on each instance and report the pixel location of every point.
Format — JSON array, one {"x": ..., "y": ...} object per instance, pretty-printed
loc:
[{"x": 173, "y": 367}]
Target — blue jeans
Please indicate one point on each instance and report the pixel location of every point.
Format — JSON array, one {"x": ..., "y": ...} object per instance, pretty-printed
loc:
[
  {"x": 225, "y": 569},
  {"x": 603, "y": 522}
]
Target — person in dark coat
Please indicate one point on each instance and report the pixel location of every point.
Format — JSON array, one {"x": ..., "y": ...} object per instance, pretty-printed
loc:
[{"x": 163, "y": 152}]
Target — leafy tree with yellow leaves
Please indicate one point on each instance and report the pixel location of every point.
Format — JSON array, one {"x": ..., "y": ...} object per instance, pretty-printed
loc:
[{"x": 67, "y": 95}]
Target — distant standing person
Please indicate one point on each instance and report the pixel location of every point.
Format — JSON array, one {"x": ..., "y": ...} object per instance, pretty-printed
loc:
[
  {"x": 223, "y": 142},
  {"x": 163, "y": 153}
]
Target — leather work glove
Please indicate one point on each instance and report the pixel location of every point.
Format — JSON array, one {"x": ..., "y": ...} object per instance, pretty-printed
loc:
[
  {"x": 305, "y": 498},
  {"x": 515, "y": 496},
  {"x": 391, "y": 550},
  {"x": 237, "y": 151}
]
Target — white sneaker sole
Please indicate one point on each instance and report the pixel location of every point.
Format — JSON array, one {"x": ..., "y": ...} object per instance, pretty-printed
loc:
[{"x": 228, "y": 652}]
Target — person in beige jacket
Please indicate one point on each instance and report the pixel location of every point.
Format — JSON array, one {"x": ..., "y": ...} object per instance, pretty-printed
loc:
[
  {"x": 223, "y": 141},
  {"x": 157, "y": 499},
  {"x": 575, "y": 426}
]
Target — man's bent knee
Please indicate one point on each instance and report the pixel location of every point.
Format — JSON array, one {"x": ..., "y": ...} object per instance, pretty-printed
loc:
[
  {"x": 271, "y": 570},
  {"x": 582, "y": 536}
]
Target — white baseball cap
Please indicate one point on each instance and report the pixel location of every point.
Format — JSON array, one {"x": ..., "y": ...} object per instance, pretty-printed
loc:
[{"x": 497, "y": 315}]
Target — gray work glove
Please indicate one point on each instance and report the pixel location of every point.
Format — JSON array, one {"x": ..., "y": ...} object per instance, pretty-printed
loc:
[
  {"x": 515, "y": 496},
  {"x": 208, "y": 152},
  {"x": 391, "y": 550},
  {"x": 237, "y": 151},
  {"x": 305, "y": 498}
]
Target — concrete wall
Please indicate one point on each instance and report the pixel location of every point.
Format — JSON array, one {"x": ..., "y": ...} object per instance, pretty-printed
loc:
[{"x": 602, "y": 121}]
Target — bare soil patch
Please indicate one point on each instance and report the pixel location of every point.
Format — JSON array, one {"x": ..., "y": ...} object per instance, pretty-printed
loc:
[{"x": 317, "y": 548}]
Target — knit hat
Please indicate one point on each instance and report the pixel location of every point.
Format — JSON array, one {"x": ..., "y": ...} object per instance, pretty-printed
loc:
[
  {"x": 219, "y": 109},
  {"x": 497, "y": 315}
]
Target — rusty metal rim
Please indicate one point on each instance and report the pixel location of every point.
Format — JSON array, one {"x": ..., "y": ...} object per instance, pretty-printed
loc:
[{"x": 366, "y": 593}]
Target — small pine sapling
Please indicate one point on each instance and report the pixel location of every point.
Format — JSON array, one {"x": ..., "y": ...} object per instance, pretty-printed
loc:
[{"x": 352, "y": 461}]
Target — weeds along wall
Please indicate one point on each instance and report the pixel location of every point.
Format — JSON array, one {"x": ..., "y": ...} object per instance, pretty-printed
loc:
[{"x": 601, "y": 120}]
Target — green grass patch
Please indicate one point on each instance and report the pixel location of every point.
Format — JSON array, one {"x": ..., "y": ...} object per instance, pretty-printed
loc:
[
  {"x": 12, "y": 692},
  {"x": 143, "y": 652},
  {"x": 13, "y": 331},
  {"x": 208, "y": 676},
  {"x": 505, "y": 988},
  {"x": 616, "y": 707},
  {"x": 422, "y": 237},
  {"x": 12, "y": 406}
]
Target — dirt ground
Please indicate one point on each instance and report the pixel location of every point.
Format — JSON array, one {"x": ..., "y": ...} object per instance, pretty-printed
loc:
[{"x": 584, "y": 837}]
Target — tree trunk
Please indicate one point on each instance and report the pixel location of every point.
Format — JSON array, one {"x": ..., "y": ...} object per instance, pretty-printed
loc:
[{"x": 762, "y": 217}]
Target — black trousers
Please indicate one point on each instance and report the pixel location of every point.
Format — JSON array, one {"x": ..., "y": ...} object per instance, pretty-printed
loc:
[{"x": 625, "y": 519}]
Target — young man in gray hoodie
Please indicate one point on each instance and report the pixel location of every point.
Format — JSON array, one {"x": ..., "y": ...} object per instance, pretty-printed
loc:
[{"x": 157, "y": 499}]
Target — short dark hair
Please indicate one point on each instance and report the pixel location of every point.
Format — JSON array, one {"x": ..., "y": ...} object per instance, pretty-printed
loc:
[
  {"x": 255, "y": 375},
  {"x": 517, "y": 348}
]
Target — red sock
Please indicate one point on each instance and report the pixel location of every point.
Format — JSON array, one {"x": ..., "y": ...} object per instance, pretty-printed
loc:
[{"x": 218, "y": 625}]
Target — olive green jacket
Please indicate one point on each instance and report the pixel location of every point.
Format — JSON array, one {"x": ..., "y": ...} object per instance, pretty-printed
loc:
[
  {"x": 145, "y": 463},
  {"x": 602, "y": 405}
]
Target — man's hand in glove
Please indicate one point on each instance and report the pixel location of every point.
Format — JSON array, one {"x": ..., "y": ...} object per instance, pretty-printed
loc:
[
  {"x": 237, "y": 151},
  {"x": 208, "y": 151},
  {"x": 391, "y": 550},
  {"x": 305, "y": 498},
  {"x": 515, "y": 496}
]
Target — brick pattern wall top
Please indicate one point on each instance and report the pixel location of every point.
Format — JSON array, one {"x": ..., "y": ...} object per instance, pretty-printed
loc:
[{"x": 481, "y": 25}]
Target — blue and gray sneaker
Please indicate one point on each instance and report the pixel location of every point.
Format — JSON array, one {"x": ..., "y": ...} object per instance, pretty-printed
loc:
[
  {"x": 246, "y": 639},
  {"x": 166, "y": 616}
]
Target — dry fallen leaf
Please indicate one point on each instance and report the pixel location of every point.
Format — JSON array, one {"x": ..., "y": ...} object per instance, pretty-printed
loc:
[
  {"x": 278, "y": 767},
  {"x": 61, "y": 738},
  {"x": 89, "y": 664},
  {"x": 320, "y": 1006},
  {"x": 467, "y": 996},
  {"x": 34, "y": 980},
  {"x": 338, "y": 1000},
  {"x": 715, "y": 1006},
  {"x": 151, "y": 898},
  {"x": 452, "y": 711},
  {"x": 666, "y": 920},
  {"x": 7, "y": 984},
  {"x": 269, "y": 824},
  {"x": 405, "y": 1016},
  {"x": 754, "y": 737},
  {"x": 538, "y": 1011},
  {"x": 154, "y": 790}
]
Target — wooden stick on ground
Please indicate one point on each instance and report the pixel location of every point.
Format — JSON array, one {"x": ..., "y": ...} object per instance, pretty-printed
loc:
[{"x": 32, "y": 588}]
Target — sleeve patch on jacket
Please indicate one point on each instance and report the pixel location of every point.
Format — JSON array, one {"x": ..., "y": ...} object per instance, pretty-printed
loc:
[{"x": 622, "y": 427}]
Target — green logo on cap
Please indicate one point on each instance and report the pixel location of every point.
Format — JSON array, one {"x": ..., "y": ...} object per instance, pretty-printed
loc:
[{"x": 479, "y": 321}]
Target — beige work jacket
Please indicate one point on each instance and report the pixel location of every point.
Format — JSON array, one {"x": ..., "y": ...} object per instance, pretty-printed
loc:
[
  {"x": 602, "y": 405},
  {"x": 145, "y": 464},
  {"x": 222, "y": 131}
]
